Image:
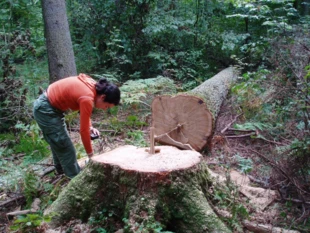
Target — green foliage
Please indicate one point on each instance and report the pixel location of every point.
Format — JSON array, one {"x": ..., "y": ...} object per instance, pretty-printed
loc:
[
  {"x": 32, "y": 187},
  {"x": 132, "y": 122},
  {"x": 14, "y": 90},
  {"x": 11, "y": 175},
  {"x": 12, "y": 103},
  {"x": 21, "y": 32},
  {"x": 30, "y": 147},
  {"x": 274, "y": 103},
  {"x": 253, "y": 126},
  {"x": 245, "y": 164},
  {"x": 253, "y": 95},
  {"x": 136, "y": 138},
  {"x": 239, "y": 212},
  {"x": 31, "y": 143},
  {"x": 71, "y": 118},
  {"x": 111, "y": 33},
  {"x": 57, "y": 188},
  {"x": 136, "y": 92},
  {"x": 30, "y": 223},
  {"x": 33, "y": 73},
  {"x": 101, "y": 221},
  {"x": 300, "y": 161},
  {"x": 147, "y": 226},
  {"x": 226, "y": 197}
]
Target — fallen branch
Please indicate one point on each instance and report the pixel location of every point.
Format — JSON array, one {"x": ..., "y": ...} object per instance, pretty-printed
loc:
[
  {"x": 241, "y": 136},
  {"x": 266, "y": 140},
  {"x": 48, "y": 170},
  {"x": 279, "y": 169},
  {"x": 58, "y": 179},
  {"x": 256, "y": 134},
  {"x": 260, "y": 228},
  {"x": 233, "y": 121},
  {"x": 260, "y": 182},
  {"x": 254, "y": 227},
  {"x": 242, "y": 130},
  {"x": 11, "y": 200},
  {"x": 294, "y": 200},
  {"x": 17, "y": 156},
  {"x": 35, "y": 207},
  {"x": 45, "y": 164}
]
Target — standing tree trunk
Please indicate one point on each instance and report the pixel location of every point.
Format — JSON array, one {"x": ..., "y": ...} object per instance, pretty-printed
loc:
[
  {"x": 168, "y": 189},
  {"x": 61, "y": 61},
  {"x": 187, "y": 120}
]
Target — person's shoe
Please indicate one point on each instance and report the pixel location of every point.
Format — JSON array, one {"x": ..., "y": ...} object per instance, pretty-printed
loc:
[{"x": 59, "y": 170}]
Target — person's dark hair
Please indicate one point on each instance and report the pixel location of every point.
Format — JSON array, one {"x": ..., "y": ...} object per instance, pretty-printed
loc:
[{"x": 110, "y": 90}]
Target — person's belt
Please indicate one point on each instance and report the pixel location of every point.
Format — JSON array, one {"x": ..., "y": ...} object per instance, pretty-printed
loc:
[{"x": 46, "y": 95}]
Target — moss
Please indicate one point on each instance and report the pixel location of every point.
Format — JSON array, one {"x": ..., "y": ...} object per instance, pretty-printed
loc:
[
  {"x": 78, "y": 195},
  {"x": 188, "y": 206},
  {"x": 146, "y": 200},
  {"x": 198, "y": 215}
]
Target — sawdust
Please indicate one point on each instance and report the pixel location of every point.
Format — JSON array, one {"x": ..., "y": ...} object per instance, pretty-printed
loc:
[{"x": 258, "y": 197}]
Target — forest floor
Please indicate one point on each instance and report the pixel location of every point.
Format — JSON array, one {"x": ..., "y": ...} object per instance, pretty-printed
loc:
[{"x": 235, "y": 157}]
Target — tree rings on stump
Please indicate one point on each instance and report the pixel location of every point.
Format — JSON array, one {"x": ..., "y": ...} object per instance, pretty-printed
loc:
[
  {"x": 183, "y": 121},
  {"x": 139, "y": 160}
]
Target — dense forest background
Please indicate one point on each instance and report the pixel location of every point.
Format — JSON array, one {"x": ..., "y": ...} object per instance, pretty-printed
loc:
[{"x": 187, "y": 41}]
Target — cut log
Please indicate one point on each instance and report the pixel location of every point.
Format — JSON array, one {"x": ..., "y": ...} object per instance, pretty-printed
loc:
[
  {"x": 167, "y": 188},
  {"x": 187, "y": 120}
]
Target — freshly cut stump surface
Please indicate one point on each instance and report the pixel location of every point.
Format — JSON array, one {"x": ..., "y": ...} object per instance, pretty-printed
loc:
[
  {"x": 139, "y": 160},
  {"x": 167, "y": 189},
  {"x": 182, "y": 121}
]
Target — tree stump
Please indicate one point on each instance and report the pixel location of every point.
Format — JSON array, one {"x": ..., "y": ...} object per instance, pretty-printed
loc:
[
  {"x": 168, "y": 188},
  {"x": 187, "y": 120}
]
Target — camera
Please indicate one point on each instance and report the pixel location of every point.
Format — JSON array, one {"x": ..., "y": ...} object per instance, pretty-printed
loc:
[{"x": 93, "y": 136}]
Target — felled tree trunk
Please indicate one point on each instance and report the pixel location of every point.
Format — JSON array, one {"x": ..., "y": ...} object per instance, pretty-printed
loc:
[
  {"x": 168, "y": 188},
  {"x": 187, "y": 120}
]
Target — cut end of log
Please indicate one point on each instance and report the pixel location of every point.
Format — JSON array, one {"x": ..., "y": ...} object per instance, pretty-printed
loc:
[
  {"x": 182, "y": 121},
  {"x": 167, "y": 159}
]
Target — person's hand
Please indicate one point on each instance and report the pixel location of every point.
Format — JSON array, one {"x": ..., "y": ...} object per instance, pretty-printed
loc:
[
  {"x": 90, "y": 154},
  {"x": 86, "y": 161},
  {"x": 94, "y": 131}
]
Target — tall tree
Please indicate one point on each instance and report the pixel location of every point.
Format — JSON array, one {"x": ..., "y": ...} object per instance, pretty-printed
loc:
[
  {"x": 303, "y": 6},
  {"x": 61, "y": 60}
]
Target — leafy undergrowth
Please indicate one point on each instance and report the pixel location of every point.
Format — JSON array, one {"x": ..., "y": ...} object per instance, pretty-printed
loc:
[{"x": 262, "y": 132}]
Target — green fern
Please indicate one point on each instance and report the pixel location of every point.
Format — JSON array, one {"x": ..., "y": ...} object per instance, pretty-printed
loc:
[
  {"x": 32, "y": 186},
  {"x": 29, "y": 223},
  {"x": 253, "y": 126}
]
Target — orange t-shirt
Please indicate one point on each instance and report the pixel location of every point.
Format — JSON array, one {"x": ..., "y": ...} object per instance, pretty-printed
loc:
[{"x": 75, "y": 93}]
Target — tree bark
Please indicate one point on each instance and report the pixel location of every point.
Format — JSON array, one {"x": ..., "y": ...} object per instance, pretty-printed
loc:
[
  {"x": 187, "y": 120},
  {"x": 60, "y": 53},
  {"x": 168, "y": 188}
]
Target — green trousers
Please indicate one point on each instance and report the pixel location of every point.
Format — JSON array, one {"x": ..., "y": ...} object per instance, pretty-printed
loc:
[{"x": 52, "y": 123}]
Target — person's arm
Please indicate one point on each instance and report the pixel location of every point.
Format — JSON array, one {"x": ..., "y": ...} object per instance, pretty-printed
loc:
[{"x": 86, "y": 108}]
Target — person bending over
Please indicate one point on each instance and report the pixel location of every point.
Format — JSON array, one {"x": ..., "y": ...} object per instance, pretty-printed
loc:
[{"x": 78, "y": 93}]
